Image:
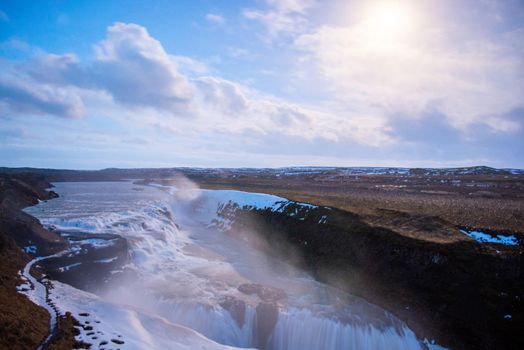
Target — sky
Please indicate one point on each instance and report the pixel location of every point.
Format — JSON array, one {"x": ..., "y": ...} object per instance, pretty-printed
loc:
[{"x": 262, "y": 83}]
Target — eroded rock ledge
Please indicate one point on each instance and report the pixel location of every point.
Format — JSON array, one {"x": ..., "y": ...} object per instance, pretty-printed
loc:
[{"x": 446, "y": 287}]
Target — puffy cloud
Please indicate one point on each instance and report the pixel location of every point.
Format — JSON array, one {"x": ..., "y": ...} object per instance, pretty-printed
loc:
[
  {"x": 59, "y": 70},
  {"x": 222, "y": 95},
  {"x": 368, "y": 80},
  {"x": 130, "y": 65},
  {"x": 20, "y": 96},
  {"x": 237, "y": 110},
  {"x": 135, "y": 69}
]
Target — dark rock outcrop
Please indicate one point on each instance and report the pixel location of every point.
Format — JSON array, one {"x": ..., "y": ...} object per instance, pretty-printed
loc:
[
  {"x": 92, "y": 261},
  {"x": 266, "y": 319},
  {"x": 454, "y": 290},
  {"x": 17, "y": 193},
  {"x": 236, "y": 308}
]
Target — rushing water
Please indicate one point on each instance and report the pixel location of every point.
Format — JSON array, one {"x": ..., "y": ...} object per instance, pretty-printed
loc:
[{"x": 192, "y": 274}]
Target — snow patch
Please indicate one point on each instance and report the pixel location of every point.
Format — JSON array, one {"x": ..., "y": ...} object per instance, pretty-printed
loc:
[
  {"x": 106, "y": 261},
  {"x": 96, "y": 242},
  {"x": 487, "y": 238},
  {"x": 69, "y": 267},
  {"x": 30, "y": 249}
]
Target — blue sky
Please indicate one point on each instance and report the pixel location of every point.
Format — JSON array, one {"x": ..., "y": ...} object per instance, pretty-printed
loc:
[{"x": 92, "y": 84}]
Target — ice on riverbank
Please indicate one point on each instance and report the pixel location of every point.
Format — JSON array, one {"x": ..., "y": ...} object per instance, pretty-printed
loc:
[{"x": 487, "y": 238}]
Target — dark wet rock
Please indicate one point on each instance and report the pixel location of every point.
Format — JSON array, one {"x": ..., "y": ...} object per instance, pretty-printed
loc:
[
  {"x": 266, "y": 319},
  {"x": 23, "y": 190},
  {"x": 237, "y": 309},
  {"x": 28, "y": 232},
  {"x": 20, "y": 191},
  {"x": 264, "y": 292},
  {"x": 454, "y": 289},
  {"x": 92, "y": 262}
]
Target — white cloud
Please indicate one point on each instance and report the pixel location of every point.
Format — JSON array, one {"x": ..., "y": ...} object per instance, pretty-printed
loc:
[
  {"x": 290, "y": 6},
  {"x": 230, "y": 108},
  {"x": 355, "y": 88},
  {"x": 222, "y": 95},
  {"x": 215, "y": 18},
  {"x": 281, "y": 16},
  {"x": 190, "y": 65},
  {"x": 130, "y": 65},
  {"x": 417, "y": 72},
  {"x": 20, "y": 96},
  {"x": 137, "y": 71},
  {"x": 57, "y": 70}
]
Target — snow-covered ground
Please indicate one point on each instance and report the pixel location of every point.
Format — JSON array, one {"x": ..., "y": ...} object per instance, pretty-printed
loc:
[
  {"x": 37, "y": 292},
  {"x": 187, "y": 277},
  {"x": 113, "y": 325},
  {"x": 487, "y": 238}
]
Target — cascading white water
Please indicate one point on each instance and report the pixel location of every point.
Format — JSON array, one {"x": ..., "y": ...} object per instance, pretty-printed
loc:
[
  {"x": 192, "y": 274},
  {"x": 300, "y": 329},
  {"x": 213, "y": 321}
]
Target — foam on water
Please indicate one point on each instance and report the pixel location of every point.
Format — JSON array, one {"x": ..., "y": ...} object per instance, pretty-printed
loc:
[{"x": 185, "y": 269}]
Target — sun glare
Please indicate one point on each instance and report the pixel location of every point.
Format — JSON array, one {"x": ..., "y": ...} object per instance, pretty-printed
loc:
[
  {"x": 390, "y": 16},
  {"x": 389, "y": 20}
]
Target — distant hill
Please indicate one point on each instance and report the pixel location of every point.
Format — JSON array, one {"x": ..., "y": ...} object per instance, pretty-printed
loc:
[{"x": 111, "y": 174}]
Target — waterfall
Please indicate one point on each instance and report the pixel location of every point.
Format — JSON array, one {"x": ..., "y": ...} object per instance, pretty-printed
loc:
[
  {"x": 300, "y": 329},
  {"x": 295, "y": 329},
  {"x": 196, "y": 276}
]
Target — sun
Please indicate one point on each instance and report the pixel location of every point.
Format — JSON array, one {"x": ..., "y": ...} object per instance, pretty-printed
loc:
[
  {"x": 390, "y": 16},
  {"x": 389, "y": 20}
]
